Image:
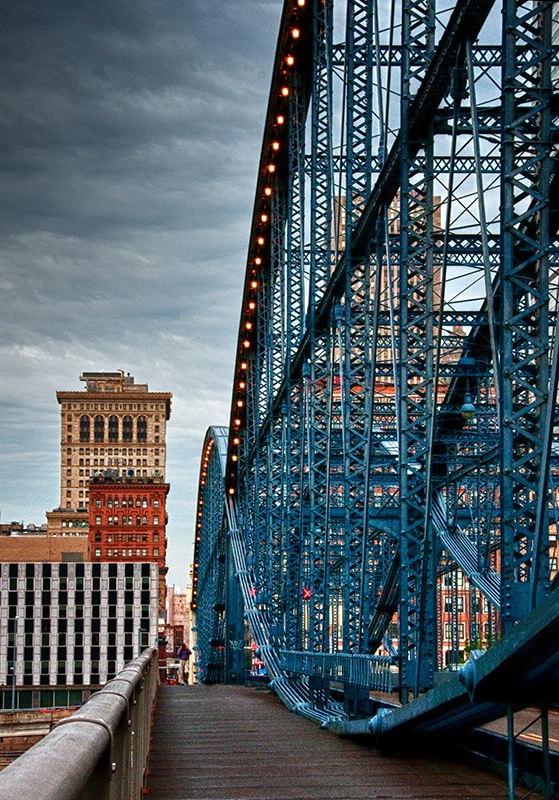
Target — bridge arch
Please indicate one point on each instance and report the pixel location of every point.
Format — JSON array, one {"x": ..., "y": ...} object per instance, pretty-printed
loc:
[
  {"x": 209, "y": 558},
  {"x": 391, "y": 458}
]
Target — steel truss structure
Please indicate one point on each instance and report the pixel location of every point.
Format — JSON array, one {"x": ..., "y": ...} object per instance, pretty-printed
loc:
[{"x": 392, "y": 444}]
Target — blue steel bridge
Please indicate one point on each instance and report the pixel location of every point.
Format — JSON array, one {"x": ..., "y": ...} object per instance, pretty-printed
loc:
[
  {"x": 379, "y": 517},
  {"x": 383, "y": 503}
]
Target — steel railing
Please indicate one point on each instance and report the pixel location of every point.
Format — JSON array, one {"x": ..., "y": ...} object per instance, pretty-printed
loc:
[
  {"x": 100, "y": 752},
  {"x": 368, "y": 672}
]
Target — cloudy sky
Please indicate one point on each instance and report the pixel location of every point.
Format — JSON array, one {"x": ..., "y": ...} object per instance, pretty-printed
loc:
[{"x": 130, "y": 133}]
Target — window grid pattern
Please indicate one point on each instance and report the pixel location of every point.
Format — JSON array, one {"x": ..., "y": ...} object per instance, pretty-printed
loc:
[{"x": 74, "y": 624}]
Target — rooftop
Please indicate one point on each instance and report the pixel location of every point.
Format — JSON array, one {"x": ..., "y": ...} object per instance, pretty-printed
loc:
[{"x": 111, "y": 382}]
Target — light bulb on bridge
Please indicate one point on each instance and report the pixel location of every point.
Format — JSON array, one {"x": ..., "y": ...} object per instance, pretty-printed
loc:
[{"x": 468, "y": 410}]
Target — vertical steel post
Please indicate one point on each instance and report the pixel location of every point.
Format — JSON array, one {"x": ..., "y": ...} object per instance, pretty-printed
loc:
[
  {"x": 525, "y": 286},
  {"x": 417, "y": 546}
]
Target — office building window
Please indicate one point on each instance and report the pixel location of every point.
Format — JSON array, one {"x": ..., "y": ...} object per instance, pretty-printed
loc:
[
  {"x": 84, "y": 428},
  {"x": 113, "y": 428},
  {"x": 99, "y": 428},
  {"x": 127, "y": 429}
]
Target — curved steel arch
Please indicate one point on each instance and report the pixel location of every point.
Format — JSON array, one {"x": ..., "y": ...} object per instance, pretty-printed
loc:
[
  {"x": 397, "y": 364},
  {"x": 208, "y": 590}
]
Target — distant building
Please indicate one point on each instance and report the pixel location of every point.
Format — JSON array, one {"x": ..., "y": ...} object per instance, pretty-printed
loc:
[
  {"x": 113, "y": 432},
  {"x": 178, "y": 625},
  {"x": 33, "y": 543},
  {"x": 68, "y": 628},
  {"x": 114, "y": 424},
  {"x": 81, "y": 595},
  {"x": 127, "y": 518}
]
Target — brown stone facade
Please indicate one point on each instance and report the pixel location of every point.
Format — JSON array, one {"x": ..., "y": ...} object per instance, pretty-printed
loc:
[{"x": 115, "y": 424}]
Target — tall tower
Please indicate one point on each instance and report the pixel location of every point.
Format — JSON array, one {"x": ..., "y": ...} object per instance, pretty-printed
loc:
[{"x": 114, "y": 424}]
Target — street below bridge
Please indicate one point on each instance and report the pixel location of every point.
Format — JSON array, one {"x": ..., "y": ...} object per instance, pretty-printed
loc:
[{"x": 235, "y": 743}]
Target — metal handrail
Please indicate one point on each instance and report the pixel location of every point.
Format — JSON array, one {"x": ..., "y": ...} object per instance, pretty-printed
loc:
[
  {"x": 100, "y": 751},
  {"x": 368, "y": 672}
]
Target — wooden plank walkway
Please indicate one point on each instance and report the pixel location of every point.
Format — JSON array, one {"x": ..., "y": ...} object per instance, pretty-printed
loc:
[{"x": 236, "y": 743}]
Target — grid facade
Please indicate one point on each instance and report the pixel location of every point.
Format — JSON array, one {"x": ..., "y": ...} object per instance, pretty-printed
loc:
[{"x": 74, "y": 624}]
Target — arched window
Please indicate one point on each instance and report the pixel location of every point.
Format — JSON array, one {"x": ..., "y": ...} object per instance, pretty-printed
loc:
[
  {"x": 85, "y": 424},
  {"x": 142, "y": 429},
  {"x": 113, "y": 428},
  {"x": 99, "y": 428},
  {"x": 130, "y": 502},
  {"x": 109, "y": 502},
  {"x": 127, "y": 429}
]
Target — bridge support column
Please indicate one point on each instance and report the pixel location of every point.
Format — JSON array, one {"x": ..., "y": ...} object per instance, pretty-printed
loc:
[{"x": 234, "y": 628}]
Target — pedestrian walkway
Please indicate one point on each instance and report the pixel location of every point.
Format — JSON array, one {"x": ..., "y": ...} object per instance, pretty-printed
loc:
[{"x": 235, "y": 743}]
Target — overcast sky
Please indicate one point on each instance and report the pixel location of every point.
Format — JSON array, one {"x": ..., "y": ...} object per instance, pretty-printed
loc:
[{"x": 130, "y": 133}]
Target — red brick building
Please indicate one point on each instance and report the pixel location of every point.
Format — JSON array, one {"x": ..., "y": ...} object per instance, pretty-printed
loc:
[{"x": 127, "y": 518}]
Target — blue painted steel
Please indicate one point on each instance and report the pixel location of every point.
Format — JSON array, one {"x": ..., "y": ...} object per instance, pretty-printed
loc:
[
  {"x": 391, "y": 456},
  {"x": 209, "y": 576},
  {"x": 368, "y": 672}
]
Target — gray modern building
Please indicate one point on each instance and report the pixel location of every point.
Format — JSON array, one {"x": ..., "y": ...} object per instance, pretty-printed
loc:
[{"x": 70, "y": 627}]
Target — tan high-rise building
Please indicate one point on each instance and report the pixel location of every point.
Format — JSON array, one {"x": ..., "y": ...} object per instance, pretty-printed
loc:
[{"x": 115, "y": 424}]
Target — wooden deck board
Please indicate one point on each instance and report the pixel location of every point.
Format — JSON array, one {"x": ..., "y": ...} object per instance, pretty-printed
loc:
[{"x": 233, "y": 743}]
